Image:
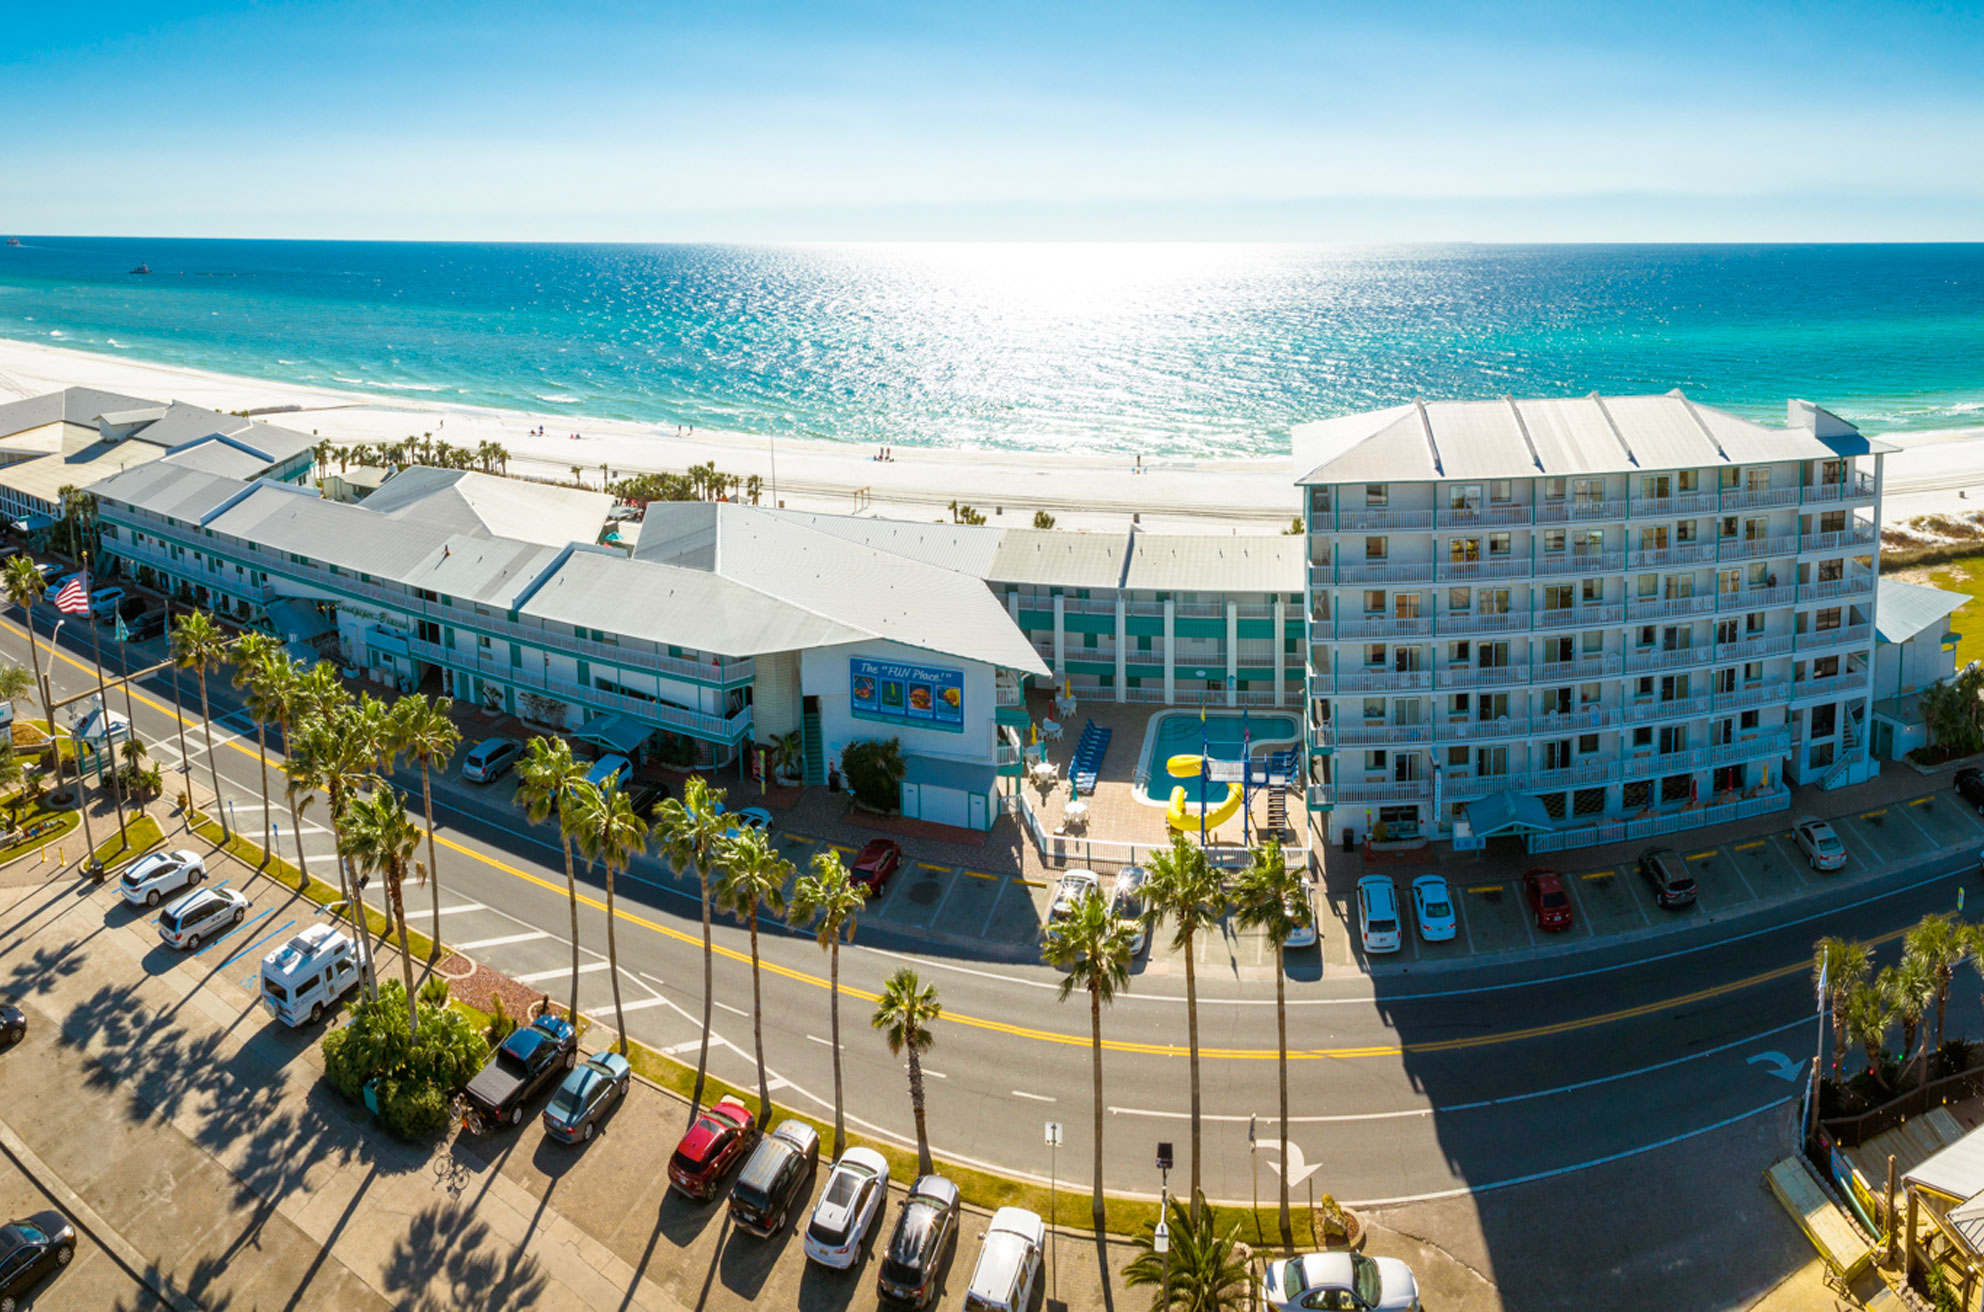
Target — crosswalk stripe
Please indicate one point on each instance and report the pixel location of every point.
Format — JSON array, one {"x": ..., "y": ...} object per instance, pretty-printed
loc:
[
  {"x": 563, "y": 972},
  {"x": 640, "y": 1003},
  {"x": 502, "y": 939},
  {"x": 463, "y": 906}
]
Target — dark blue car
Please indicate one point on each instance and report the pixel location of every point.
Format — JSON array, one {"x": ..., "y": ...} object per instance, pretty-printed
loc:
[{"x": 593, "y": 1089}]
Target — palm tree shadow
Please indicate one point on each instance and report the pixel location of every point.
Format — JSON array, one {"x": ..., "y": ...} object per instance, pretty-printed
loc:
[{"x": 446, "y": 1244}]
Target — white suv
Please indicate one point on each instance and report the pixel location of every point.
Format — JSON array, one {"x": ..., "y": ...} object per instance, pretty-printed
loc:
[
  {"x": 1377, "y": 913},
  {"x": 200, "y": 916},
  {"x": 149, "y": 878},
  {"x": 1008, "y": 1262}
]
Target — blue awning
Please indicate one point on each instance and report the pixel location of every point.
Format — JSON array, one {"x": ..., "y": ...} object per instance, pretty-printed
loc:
[
  {"x": 939, "y": 772},
  {"x": 1508, "y": 813},
  {"x": 615, "y": 733},
  {"x": 390, "y": 643}
]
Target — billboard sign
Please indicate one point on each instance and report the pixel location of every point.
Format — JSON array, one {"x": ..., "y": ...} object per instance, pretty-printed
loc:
[{"x": 895, "y": 692}]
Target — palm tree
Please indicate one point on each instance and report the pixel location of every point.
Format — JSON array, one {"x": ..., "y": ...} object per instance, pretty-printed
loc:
[
  {"x": 1941, "y": 941},
  {"x": 1184, "y": 889},
  {"x": 427, "y": 734},
  {"x": 197, "y": 645},
  {"x": 381, "y": 838},
  {"x": 1202, "y": 1271},
  {"x": 1093, "y": 947},
  {"x": 285, "y": 693},
  {"x": 16, "y": 684},
  {"x": 24, "y": 587},
  {"x": 1273, "y": 898},
  {"x": 1869, "y": 1013},
  {"x": 754, "y": 876},
  {"x": 336, "y": 750},
  {"x": 610, "y": 833},
  {"x": 547, "y": 778},
  {"x": 1911, "y": 987},
  {"x": 691, "y": 830},
  {"x": 827, "y": 898},
  {"x": 1841, "y": 964},
  {"x": 253, "y": 654},
  {"x": 904, "y": 1014}
]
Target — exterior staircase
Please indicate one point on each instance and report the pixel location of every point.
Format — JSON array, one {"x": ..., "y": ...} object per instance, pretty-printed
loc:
[
  {"x": 1278, "y": 810},
  {"x": 816, "y": 765},
  {"x": 1852, "y": 752}
]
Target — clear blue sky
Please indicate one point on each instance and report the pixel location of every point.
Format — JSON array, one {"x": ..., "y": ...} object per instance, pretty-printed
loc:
[{"x": 601, "y": 121}]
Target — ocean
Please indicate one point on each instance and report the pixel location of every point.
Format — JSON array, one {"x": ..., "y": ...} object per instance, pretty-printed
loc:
[{"x": 1174, "y": 351}]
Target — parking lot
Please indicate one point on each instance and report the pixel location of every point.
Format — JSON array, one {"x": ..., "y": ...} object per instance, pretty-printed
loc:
[{"x": 1731, "y": 877}]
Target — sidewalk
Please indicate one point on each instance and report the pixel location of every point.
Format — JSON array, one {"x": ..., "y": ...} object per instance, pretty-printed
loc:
[{"x": 154, "y": 1088}]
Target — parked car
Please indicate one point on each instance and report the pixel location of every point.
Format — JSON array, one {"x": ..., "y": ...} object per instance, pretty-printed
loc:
[
  {"x": 104, "y": 603},
  {"x": 1350, "y": 1281},
  {"x": 1970, "y": 787},
  {"x": 199, "y": 916},
  {"x": 1008, "y": 1262},
  {"x": 710, "y": 1147},
  {"x": 1543, "y": 889},
  {"x": 612, "y": 768},
  {"x": 522, "y": 1067},
  {"x": 594, "y": 1087},
  {"x": 1666, "y": 872},
  {"x": 13, "y": 1023},
  {"x": 149, "y": 878},
  {"x": 1072, "y": 887},
  {"x": 144, "y": 626},
  {"x": 645, "y": 796},
  {"x": 1433, "y": 907},
  {"x": 56, "y": 585},
  {"x": 1126, "y": 903},
  {"x": 1377, "y": 913},
  {"x": 1821, "y": 846},
  {"x": 781, "y": 1169},
  {"x": 487, "y": 761},
  {"x": 1303, "y": 936},
  {"x": 878, "y": 859},
  {"x": 32, "y": 1249},
  {"x": 926, "y": 1231},
  {"x": 309, "y": 974},
  {"x": 856, "y": 1189}
]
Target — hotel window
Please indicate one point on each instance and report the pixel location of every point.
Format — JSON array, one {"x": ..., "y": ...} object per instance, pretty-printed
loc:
[
  {"x": 1832, "y": 471},
  {"x": 1558, "y": 650},
  {"x": 1688, "y": 480},
  {"x": 1678, "y": 587},
  {"x": 1760, "y": 575},
  {"x": 1457, "y": 758},
  {"x": 1501, "y": 492},
  {"x": 1553, "y": 489},
  {"x": 1587, "y": 491},
  {"x": 1557, "y": 597},
  {"x": 1590, "y": 694},
  {"x": 1753, "y": 623},
  {"x": 1677, "y": 637},
  {"x": 1376, "y": 495},
  {"x": 1753, "y": 671},
  {"x": 1460, "y": 601},
  {"x": 1464, "y": 496},
  {"x": 1374, "y": 708},
  {"x": 1374, "y": 762},
  {"x": 1831, "y": 571},
  {"x": 1686, "y": 531},
  {"x": 1494, "y": 601},
  {"x": 1723, "y": 681},
  {"x": 1461, "y": 550},
  {"x": 1725, "y": 630},
  {"x": 1750, "y": 720},
  {"x": 1457, "y": 704},
  {"x": 1492, "y": 655},
  {"x": 1825, "y": 667},
  {"x": 1374, "y": 549},
  {"x": 1499, "y": 544},
  {"x": 1674, "y": 687},
  {"x": 1374, "y": 655},
  {"x": 1825, "y": 719},
  {"x": 1755, "y": 528},
  {"x": 1725, "y": 479},
  {"x": 1832, "y": 521},
  {"x": 1557, "y": 754},
  {"x": 1374, "y": 601},
  {"x": 1556, "y": 701},
  {"x": 1587, "y": 744},
  {"x": 1654, "y": 538},
  {"x": 1405, "y": 606},
  {"x": 1655, "y": 487},
  {"x": 1673, "y": 738},
  {"x": 1826, "y": 620},
  {"x": 1405, "y": 711},
  {"x": 1491, "y": 761},
  {"x": 1593, "y": 590},
  {"x": 1646, "y": 635},
  {"x": 1459, "y": 653},
  {"x": 1649, "y": 586},
  {"x": 1405, "y": 660},
  {"x": 1492, "y": 706},
  {"x": 1591, "y": 542},
  {"x": 1756, "y": 480},
  {"x": 1554, "y": 541}
]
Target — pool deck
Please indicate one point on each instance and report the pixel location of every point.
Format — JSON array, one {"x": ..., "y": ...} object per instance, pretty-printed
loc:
[{"x": 1116, "y": 813}]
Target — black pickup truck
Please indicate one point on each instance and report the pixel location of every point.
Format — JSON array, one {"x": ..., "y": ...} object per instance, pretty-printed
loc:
[{"x": 525, "y": 1065}]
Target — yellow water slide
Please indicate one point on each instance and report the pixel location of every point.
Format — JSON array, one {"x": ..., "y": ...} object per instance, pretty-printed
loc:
[{"x": 1185, "y": 817}]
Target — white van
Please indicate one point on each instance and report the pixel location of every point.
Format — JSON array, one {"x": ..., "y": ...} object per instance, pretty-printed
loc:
[{"x": 308, "y": 975}]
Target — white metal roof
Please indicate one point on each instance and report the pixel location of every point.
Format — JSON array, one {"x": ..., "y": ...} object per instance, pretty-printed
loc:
[
  {"x": 1957, "y": 1171},
  {"x": 1207, "y": 562},
  {"x": 1902, "y": 610},
  {"x": 1524, "y": 438},
  {"x": 463, "y": 501}
]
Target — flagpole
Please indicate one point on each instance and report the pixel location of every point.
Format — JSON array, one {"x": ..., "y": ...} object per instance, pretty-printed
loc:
[
  {"x": 103, "y": 714},
  {"x": 1205, "y": 770}
]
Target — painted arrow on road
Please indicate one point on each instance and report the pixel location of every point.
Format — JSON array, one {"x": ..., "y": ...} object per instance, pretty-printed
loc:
[
  {"x": 1781, "y": 1066},
  {"x": 1298, "y": 1170}
]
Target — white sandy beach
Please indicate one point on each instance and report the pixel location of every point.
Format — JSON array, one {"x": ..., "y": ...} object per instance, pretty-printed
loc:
[
  {"x": 1247, "y": 496},
  {"x": 1938, "y": 472}
]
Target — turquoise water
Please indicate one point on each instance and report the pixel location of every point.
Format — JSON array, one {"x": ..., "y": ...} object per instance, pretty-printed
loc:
[
  {"x": 1178, "y": 735},
  {"x": 1170, "y": 350}
]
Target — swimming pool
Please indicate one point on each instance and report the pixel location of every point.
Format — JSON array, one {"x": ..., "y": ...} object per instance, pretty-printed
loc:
[{"x": 1176, "y": 733}]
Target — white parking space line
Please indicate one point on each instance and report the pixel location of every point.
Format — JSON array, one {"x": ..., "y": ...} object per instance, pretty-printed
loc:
[
  {"x": 735, "y": 1011},
  {"x": 677, "y": 1049},
  {"x": 1032, "y": 1097},
  {"x": 462, "y": 906},
  {"x": 775, "y": 1083},
  {"x": 639, "y": 1004},
  {"x": 563, "y": 972},
  {"x": 501, "y": 940}
]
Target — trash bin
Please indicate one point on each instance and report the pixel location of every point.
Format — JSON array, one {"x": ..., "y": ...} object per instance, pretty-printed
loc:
[{"x": 1349, "y": 839}]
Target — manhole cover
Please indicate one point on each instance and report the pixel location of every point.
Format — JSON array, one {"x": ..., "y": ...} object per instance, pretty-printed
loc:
[{"x": 923, "y": 892}]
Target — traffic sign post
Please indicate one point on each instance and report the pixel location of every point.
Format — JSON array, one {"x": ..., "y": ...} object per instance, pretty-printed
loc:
[
  {"x": 1254, "y": 1161},
  {"x": 1053, "y": 1267}
]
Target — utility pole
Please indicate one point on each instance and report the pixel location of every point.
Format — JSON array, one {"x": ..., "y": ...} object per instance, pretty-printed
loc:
[{"x": 1053, "y": 1177}]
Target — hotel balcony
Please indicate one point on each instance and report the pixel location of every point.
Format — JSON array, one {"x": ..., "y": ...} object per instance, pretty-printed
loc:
[
  {"x": 1494, "y": 516},
  {"x": 1862, "y": 535},
  {"x": 1566, "y": 512},
  {"x": 1804, "y": 690},
  {"x": 1763, "y": 693},
  {"x": 1463, "y": 625},
  {"x": 1384, "y": 571},
  {"x": 1760, "y": 499},
  {"x": 1860, "y": 487},
  {"x": 1752, "y": 747},
  {"x": 1679, "y": 658},
  {"x": 1853, "y": 585},
  {"x": 1849, "y": 635},
  {"x": 1670, "y": 607},
  {"x": 1477, "y": 676},
  {"x": 1560, "y": 563},
  {"x": 1598, "y": 665},
  {"x": 1650, "y": 765},
  {"x": 1372, "y": 520},
  {"x": 1583, "y": 721},
  {"x": 1687, "y": 503},
  {"x": 1585, "y": 774},
  {"x": 1468, "y": 731},
  {"x": 1779, "y": 544},
  {"x": 1578, "y": 617},
  {"x": 1644, "y": 710},
  {"x": 1380, "y": 733},
  {"x": 1384, "y": 681},
  {"x": 1503, "y": 567},
  {"x": 1758, "y": 598},
  {"x": 714, "y": 727},
  {"x": 1690, "y": 553},
  {"x": 1752, "y": 649},
  {"x": 1383, "y": 626},
  {"x": 1383, "y": 791}
]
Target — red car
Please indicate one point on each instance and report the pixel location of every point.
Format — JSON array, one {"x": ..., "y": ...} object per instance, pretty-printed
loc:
[
  {"x": 1548, "y": 901},
  {"x": 878, "y": 860},
  {"x": 712, "y": 1146}
]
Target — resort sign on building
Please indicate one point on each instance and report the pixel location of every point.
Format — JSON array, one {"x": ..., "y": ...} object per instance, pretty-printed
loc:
[{"x": 897, "y": 693}]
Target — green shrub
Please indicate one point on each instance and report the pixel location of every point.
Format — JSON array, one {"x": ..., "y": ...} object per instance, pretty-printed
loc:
[
  {"x": 875, "y": 770},
  {"x": 415, "y": 1078},
  {"x": 501, "y": 1024}
]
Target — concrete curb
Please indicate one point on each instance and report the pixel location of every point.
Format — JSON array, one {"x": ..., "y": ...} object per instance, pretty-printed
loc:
[{"x": 85, "y": 1218}]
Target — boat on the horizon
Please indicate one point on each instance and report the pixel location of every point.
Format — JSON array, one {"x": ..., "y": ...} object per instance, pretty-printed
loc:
[
  {"x": 142, "y": 268},
  {"x": 13, "y": 241}
]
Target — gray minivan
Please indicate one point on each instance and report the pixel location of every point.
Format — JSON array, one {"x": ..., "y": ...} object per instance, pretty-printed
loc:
[{"x": 771, "y": 1179}]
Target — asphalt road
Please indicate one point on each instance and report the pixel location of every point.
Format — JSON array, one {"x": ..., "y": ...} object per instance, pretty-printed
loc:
[{"x": 1400, "y": 1086}]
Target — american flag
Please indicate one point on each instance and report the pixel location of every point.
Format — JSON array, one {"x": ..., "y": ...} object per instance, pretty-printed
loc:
[{"x": 74, "y": 599}]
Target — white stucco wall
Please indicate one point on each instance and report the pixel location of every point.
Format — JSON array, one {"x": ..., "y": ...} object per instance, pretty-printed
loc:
[{"x": 824, "y": 674}]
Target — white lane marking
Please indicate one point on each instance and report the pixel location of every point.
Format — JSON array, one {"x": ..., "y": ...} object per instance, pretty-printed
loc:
[
  {"x": 1554, "y": 1171},
  {"x": 1033, "y": 1097},
  {"x": 639, "y": 1003},
  {"x": 824, "y": 1043},
  {"x": 735, "y": 1011},
  {"x": 777, "y": 1082},
  {"x": 676, "y": 1050},
  {"x": 563, "y": 972},
  {"x": 462, "y": 906},
  {"x": 499, "y": 941}
]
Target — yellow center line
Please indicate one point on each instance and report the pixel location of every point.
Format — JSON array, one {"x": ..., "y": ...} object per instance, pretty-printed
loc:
[{"x": 1082, "y": 1040}]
